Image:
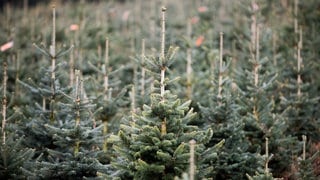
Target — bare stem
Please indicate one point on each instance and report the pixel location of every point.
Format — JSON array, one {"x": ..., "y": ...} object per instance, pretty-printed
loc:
[
  {"x": 71, "y": 69},
  {"x": 162, "y": 85},
  {"x": 164, "y": 127},
  {"x": 258, "y": 44},
  {"x": 256, "y": 64},
  {"x": 253, "y": 31},
  {"x": 44, "y": 103},
  {"x": 105, "y": 131},
  {"x": 163, "y": 68},
  {"x": 299, "y": 81},
  {"x": 133, "y": 99},
  {"x": 220, "y": 65},
  {"x": 17, "y": 89},
  {"x": 256, "y": 75},
  {"x": 221, "y": 51},
  {"x": 163, "y": 32},
  {"x": 53, "y": 40},
  {"x": 106, "y": 67},
  {"x": 76, "y": 148},
  {"x": 299, "y": 59},
  {"x": 77, "y": 96},
  {"x": 99, "y": 56},
  {"x": 304, "y": 139},
  {"x": 53, "y": 63},
  {"x": 274, "y": 43},
  {"x": 296, "y": 2},
  {"x": 300, "y": 38},
  {"x": 255, "y": 109},
  {"x": 192, "y": 160},
  {"x": 267, "y": 156},
  {"x": 110, "y": 92},
  {"x": 143, "y": 70},
  {"x": 4, "y": 101},
  {"x": 189, "y": 63}
]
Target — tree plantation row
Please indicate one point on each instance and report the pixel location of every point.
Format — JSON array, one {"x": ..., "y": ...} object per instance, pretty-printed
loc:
[{"x": 160, "y": 90}]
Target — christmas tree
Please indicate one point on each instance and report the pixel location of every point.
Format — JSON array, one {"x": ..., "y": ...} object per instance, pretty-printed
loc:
[
  {"x": 257, "y": 80},
  {"x": 154, "y": 143},
  {"x": 66, "y": 136},
  {"x": 109, "y": 106},
  {"x": 222, "y": 114},
  {"x": 14, "y": 156}
]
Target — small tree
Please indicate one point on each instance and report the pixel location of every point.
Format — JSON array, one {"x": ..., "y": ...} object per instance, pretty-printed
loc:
[{"x": 154, "y": 143}]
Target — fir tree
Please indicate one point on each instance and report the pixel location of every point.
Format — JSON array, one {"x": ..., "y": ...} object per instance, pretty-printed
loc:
[
  {"x": 14, "y": 156},
  {"x": 306, "y": 170},
  {"x": 154, "y": 143},
  {"x": 295, "y": 100},
  {"x": 222, "y": 115},
  {"x": 269, "y": 90},
  {"x": 65, "y": 135},
  {"x": 76, "y": 141},
  {"x": 257, "y": 105},
  {"x": 45, "y": 88},
  {"x": 106, "y": 100}
]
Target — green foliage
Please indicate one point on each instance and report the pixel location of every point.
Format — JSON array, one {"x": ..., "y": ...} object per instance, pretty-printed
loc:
[
  {"x": 154, "y": 142},
  {"x": 14, "y": 157},
  {"x": 266, "y": 176},
  {"x": 93, "y": 129},
  {"x": 306, "y": 170}
]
